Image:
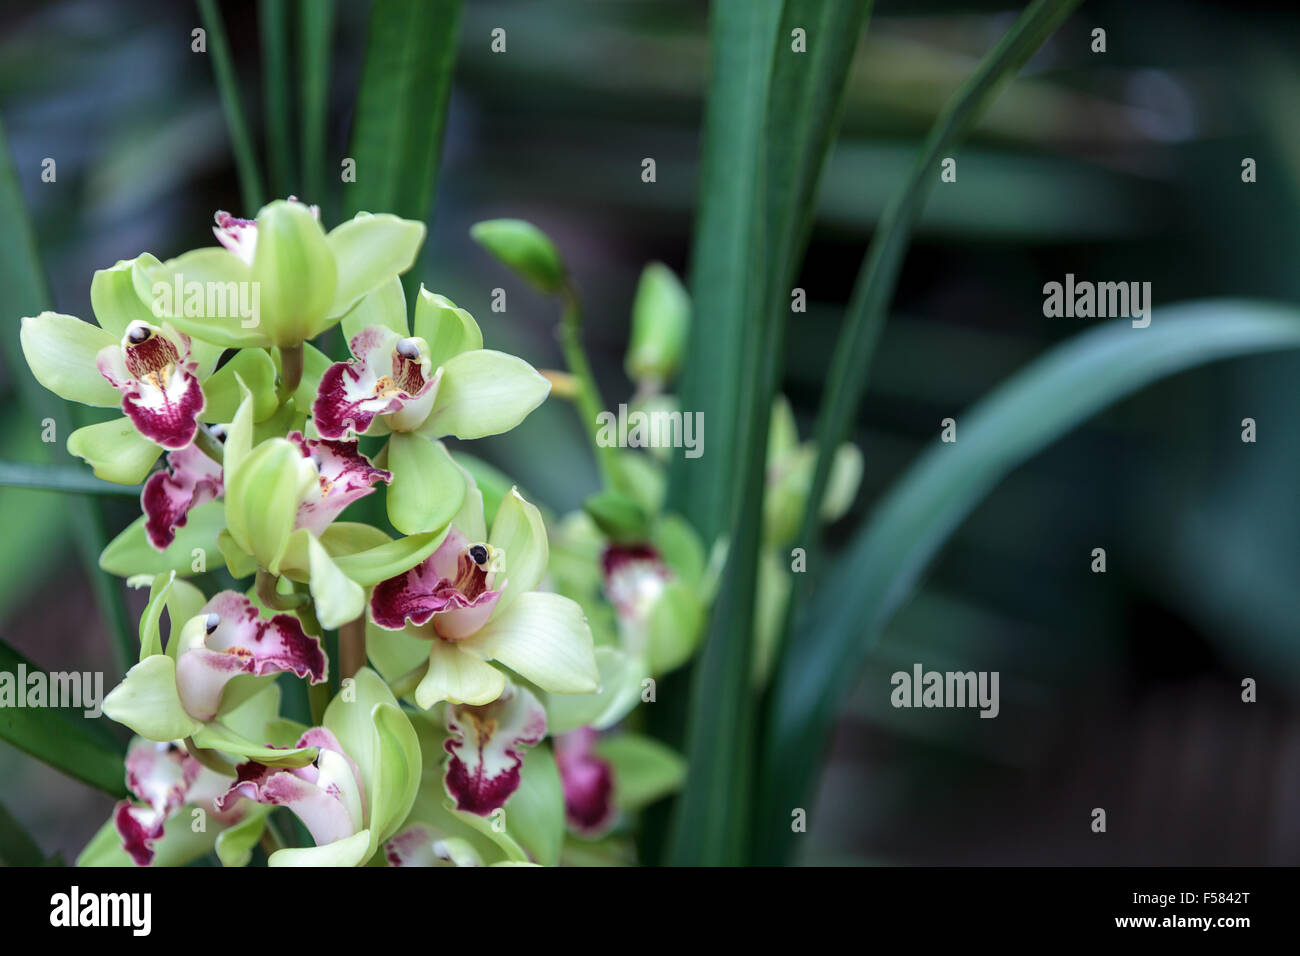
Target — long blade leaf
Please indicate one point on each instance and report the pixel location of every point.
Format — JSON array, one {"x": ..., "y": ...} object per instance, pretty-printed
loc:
[
  {"x": 241, "y": 142},
  {"x": 402, "y": 106},
  {"x": 1057, "y": 391},
  {"x": 847, "y": 381},
  {"x": 725, "y": 381},
  {"x": 69, "y": 479},
  {"x": 27, "y": 293},
  {"x": 316, "y": 35},
  {"x": 64, "y": 738}
]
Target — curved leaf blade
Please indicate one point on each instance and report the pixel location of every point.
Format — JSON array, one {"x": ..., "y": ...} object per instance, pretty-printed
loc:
[{"x": 875, "y": 575}]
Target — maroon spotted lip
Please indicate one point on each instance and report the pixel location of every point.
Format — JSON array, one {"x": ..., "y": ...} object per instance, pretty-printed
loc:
[
  {"x": 161, "y": 394},
  {"x": 383, "y": 377}
]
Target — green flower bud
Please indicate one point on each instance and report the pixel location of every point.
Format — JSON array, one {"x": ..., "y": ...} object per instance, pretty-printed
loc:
[
  {"x": 661, "y": 321},
  {"x": 262, "y": 496},
  {"x": 524, "y": 248}
]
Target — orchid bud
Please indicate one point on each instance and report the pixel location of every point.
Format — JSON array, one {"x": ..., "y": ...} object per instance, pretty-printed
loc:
[
  {"x": 262, "y": 498},
  {"x": 523, "y": 248},
  {"x": 661, "y": 320}
]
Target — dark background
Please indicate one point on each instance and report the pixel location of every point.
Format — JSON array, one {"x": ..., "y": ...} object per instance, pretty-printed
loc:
[{"x": 1120, "y": 690}]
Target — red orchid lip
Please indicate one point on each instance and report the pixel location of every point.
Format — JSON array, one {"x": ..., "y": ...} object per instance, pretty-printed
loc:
[
  {"x": 243, "y": 642},
  {"x": 449, "y": 587},
  {"x": 161, "y": 394},
  {"x": 346, "y": 475},
  {"x": 190, "y": 479},
  {"x": 484, "y": 748},
  {"x": 320, "y": 808},
  {"x": 381, "y": 379}
]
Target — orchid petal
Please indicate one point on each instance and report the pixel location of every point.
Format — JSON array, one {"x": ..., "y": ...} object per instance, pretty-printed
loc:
[
  {"x": 222, "y": 315},
  {"x": 295, "y": 270},
  {"x": 544, "y": 638},
  {"x": 223, "y": 394},
  {"x": 484, "y": 748},
  {"x": 352, "y": 851},
  {"x": 535, "y": 812},
  {"x": 588, "y": 784},
  {"x": 620, "y": 691},
  {"x": 458, "y": 677},
  {"x": 147, "y": 701},
  {"x": 229, "y": 637},
  {"x": 115, "y": 450},
  {"x": 427, "y": 488},
  {"x": 483, "y": 393},
  {"x": 345, "y": 476},
  {"x": 194, "y": 548},
  {"x": 159, "y": 383},
  {"x": 378, "y": 381},
  {"x": 519, "y": 532},
  {"x": 383, "y": 306},
  {"x": 449, "y": 331},
  {"x": 61, "y": 351},
  {"x": 369, "y": 250},
  {"x": 190, "y": 479}
]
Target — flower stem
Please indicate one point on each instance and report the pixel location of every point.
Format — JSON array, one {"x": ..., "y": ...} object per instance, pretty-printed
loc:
[
  {"x": 587, "y": 396},
  {"x": 352, "y": 647},
  {"x": 272, "y": 598},
  {"x": 405, "y": 685},
  {"x": 291, "y": 359}
]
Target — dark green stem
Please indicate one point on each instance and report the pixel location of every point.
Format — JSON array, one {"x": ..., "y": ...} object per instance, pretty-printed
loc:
[
  {"x": 290, "y": 371},
  {"x": 205, "y": 443}
]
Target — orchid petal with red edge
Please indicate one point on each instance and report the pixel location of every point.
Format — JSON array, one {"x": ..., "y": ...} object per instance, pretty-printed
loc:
[
  {"x": 452, "y": 587},
  {"x": 387, "y": 372},
  {"x": 190, "y": 479},
  {"x": 230, "y": 637},
  {"x": 483, "y": 748},
  {"x": 345, "y": 476}
]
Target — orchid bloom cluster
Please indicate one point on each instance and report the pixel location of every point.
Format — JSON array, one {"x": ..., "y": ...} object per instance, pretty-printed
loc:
[{"x": 423, "y": 739}]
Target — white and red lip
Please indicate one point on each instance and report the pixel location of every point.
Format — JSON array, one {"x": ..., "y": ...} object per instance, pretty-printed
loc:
[{"x": 161, "y": 394}]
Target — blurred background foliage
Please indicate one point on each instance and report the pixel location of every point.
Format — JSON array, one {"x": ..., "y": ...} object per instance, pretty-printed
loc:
[{"x": 1119, "y": 690}]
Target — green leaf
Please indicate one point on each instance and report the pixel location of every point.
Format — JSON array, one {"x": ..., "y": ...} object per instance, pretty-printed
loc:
[
  {"x": 865, "y": 586},
  {"x": 250, "y": 180},
  {"x": 63, "y": 478},
  {"x": 315, "y": 35},
  {"x": 853, "y": 352},
  {"x": 524, "y": 249},
  {"x": 272, "y": 17},
  {"x": 64, "y": 738},
  {"x": 724, "y": 380},
  {"x": 17, "y": 848},
  {"x": 427, "y": 488},
  {"x": 26, "y": 293},
  {"x": 402, "y": 106}
]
